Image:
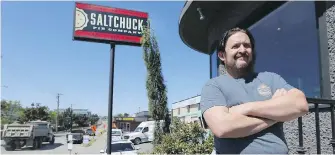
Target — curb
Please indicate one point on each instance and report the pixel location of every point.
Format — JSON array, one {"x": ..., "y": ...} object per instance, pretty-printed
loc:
[{"x": 94, "y": 139}]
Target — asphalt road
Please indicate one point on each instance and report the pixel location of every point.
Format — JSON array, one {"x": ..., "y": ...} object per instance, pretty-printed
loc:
[{"x": 60, "y": 147}]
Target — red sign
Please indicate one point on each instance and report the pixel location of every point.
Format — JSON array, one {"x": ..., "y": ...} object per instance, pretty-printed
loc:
[{"x": 108, "y": 25}]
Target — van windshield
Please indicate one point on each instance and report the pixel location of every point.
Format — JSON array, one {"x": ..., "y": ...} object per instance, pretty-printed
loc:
[
  {"x": 138, "y": 129},
  {"x": 116, "y": 133}
]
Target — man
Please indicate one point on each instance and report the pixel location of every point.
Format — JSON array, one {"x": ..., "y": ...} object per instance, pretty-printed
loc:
[{"x": 245, "y": 110}]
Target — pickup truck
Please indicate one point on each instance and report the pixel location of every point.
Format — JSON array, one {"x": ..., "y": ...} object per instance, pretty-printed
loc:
[{"x": 77, "y": 136}]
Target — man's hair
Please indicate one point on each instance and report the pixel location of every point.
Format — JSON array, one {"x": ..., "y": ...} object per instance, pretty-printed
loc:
[{"x": 223, "y": 41}]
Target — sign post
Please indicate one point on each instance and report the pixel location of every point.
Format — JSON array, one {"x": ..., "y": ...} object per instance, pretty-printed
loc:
[
  {"x": 113, "y": 26},
  {"x": 110, "y": 100},
  {"x": 69, "y": 143}
]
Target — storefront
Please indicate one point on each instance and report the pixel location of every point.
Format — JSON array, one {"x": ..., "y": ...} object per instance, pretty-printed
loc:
[
  {"x": 126, "y": 124},
  {"x": 295, "y": 39},
  {"x": 289, "y": 40}
]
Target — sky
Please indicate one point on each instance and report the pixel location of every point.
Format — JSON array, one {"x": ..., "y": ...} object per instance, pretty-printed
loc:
[{"x": 40, "y": 59}]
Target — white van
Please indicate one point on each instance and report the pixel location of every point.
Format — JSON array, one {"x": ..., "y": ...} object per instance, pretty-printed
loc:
[{"x": 143, "y": 133}]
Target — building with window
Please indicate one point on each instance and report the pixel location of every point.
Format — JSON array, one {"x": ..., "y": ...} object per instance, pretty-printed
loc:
[
  {"x": 295, "y": 39},
  {"x": 78, "y": 111},
  {"x": 187, "y": 110},
  {"x": 129, "y": 124}
]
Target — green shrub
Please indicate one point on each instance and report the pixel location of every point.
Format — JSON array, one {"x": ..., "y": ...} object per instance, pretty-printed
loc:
[{"x": 185, "y": 139}]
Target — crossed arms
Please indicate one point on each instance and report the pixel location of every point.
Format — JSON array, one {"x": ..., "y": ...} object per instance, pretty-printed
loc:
[{"x": 252, "y": 117}]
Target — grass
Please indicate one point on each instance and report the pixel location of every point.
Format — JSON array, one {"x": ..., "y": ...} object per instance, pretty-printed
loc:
[{"x": 92, "y": 140}]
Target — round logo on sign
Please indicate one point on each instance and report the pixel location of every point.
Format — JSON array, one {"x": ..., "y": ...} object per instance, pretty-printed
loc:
[{"x": 81, "y": 19}]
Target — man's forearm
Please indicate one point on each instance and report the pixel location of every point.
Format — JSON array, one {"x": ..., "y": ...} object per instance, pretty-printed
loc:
[
  {"x": 283, "y": 108},
  {"x": 237, "y": 125}
]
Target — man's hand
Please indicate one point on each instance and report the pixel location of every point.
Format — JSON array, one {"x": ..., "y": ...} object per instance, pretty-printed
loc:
[
  {"x": 284, "y": 106},
  {"x": 243, "y": 109},
  {"x": 279, "y": 92}
]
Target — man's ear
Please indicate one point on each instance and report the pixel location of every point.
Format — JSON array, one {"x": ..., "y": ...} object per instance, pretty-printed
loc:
[{"x": 221, "y": 56}]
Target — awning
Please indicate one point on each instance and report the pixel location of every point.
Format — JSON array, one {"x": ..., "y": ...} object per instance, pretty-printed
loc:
[{"x": 219, "y": 16}]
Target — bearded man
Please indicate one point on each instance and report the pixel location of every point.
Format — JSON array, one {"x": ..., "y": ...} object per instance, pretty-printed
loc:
[{"x": 245, "y": 110}]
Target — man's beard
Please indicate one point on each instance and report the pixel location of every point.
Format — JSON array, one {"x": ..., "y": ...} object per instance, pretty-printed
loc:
[{"x": 241, "y": 72}]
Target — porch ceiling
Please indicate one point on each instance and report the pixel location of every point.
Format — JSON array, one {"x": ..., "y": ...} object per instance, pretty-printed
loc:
[{"x": 195, "y": 32}]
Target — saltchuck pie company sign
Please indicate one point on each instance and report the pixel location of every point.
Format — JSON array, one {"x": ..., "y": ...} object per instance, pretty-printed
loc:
[
  {"x": 113, "y": 26},
  {"x": 105, "y": 24}
]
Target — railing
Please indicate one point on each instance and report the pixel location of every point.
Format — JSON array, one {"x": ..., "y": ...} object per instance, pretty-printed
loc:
[{"x": 316, "y": 102}]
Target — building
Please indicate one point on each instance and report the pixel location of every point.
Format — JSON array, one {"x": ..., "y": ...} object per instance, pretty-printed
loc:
[
  {"x": 129, "y": 124},
  {"x": 187, "y": 110},
  {"x": 126, "y": 124},
  {"x": 78, "y": 111},
  {"x": 142, "y": 114},
  {"x": 295, "y": 39}
]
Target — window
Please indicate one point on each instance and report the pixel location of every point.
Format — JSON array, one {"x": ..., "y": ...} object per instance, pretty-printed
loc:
[
  {"x": 78, "y": 131},
  {"x": 138, "y": 129},
  {"x": 122, "y": 125},
  {"x": 116, "y": 133},
  {"x": 121, "y": 147},
  {"x": 188, "y": 108},
  {"x": 128, "y": 127},
  {"x": 198, "y": 106},
  {"x": 146, "y": 129},
  {"x": 178, "y": 111},
  {"x": 287, "y": 44}
]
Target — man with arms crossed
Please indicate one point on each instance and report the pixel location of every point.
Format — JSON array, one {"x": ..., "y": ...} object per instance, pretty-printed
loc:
[{"x": 245, "y": 110}]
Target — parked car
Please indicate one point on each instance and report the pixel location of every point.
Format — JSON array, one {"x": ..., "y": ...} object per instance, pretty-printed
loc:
[
  {"x": 122, "y": 147},
  {"x": 90, "y": 132},
  {"x": 117, "y": 134},
  {"x": 77, "y": 136}
]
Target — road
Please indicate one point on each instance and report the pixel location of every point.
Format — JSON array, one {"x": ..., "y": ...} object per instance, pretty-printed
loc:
[{"x": 60, "y": 147}]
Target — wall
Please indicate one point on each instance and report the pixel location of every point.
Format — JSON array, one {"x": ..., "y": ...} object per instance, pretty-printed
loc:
[
  {"x": 291, "y": 130},
  {"x": 188, "y": 108},
  {"x": 330, "y": 17}
]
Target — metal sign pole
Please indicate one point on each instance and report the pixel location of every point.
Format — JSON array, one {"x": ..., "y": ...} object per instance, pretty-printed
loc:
[{"x": 110, "y": 100}]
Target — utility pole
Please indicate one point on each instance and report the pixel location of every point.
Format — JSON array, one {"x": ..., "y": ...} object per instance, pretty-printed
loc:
[
  {"x": 71, "y": 119},
  {"x": 58, "y": 94}
]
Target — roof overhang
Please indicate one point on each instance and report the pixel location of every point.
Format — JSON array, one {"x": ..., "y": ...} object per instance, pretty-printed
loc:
[{"x": 202, "y": 35}]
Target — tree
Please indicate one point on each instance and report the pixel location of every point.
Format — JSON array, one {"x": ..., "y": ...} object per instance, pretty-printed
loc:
[
  {"x": 185, "y": 139},
  {"x": 66, "y": 118},
  {"x": 10, "y": 111},
  {"x": 156, "y": 89},
  {"x": 35, "y": 112},
  {"x": 81, "y": 120},
  {"x": 94, "y": 119},
  {"x": 52, "y": 117},
  {"x": 119, "y": 115}
]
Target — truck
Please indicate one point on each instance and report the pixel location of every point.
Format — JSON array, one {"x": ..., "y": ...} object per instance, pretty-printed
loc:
[
  {"x": 31, "y": 134},
  {"x": 77, "y": 136},
  {"x": 143, "y": 133}
]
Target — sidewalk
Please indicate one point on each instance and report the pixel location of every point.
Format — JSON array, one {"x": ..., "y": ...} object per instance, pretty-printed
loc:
[{"x": 95, "y": 148}]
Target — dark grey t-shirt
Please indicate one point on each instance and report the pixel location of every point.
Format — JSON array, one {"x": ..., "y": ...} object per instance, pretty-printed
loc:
[{"x": 227, "y": 91}]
